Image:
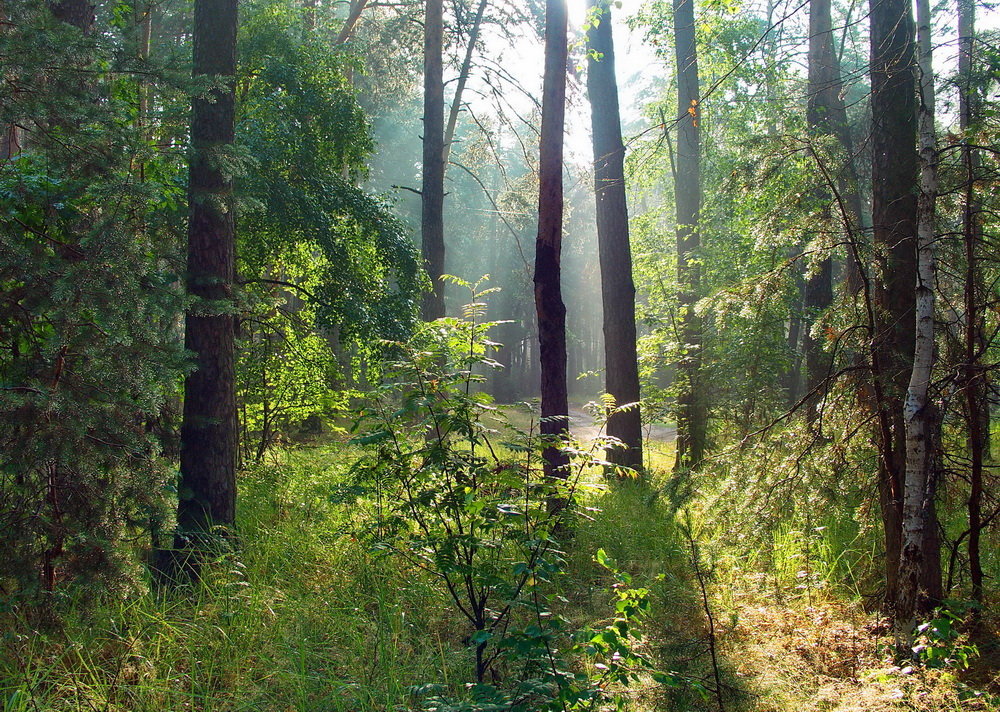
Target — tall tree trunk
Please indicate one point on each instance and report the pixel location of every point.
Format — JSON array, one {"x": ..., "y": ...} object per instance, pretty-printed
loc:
[
  {"x": 309, "y": 15},
  {"x": 792, "y": 377},
  {"x": 432, "y": 189},
  {"x": 10, "y": 141},
  {"x": 918, "y": 592},
  {"x": 548, "y": 246},
  {"x": 894, "y": 209},
  {"x": 617, "y": 287},
  {"x": 977, "y": 416},
  {"x": 209, "y": 430},
  {"x": 692, "y": 413},
  {"x": 825, "y": 115}
]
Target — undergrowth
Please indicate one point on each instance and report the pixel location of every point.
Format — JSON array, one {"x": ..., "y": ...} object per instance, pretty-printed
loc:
[{"x": 307, "y": 616}]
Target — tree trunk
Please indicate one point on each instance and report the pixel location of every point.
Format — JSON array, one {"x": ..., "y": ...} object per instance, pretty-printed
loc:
[
  {"x": 918, "y": 593},
  {"x": 79, "y": 13},
  {"x": 617, "y": 287},
  {"x": 826, "y": 115},
  {"x": 977, "y": 417},
  {"x": 894, "y": 209},
  {"x": 548, "y": 247},
  {"x": 353, "y": 15},
  {"x": 208, "y": 434},
  {"x": 692, "y": 414},
  {"x": 432, "y": 190},
  {"x": 792, "y": 377},
  {"x": 463, "y": 78}
]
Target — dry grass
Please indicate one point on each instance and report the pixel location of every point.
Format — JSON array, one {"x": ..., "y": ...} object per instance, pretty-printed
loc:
[{"x": 831, "y": 656}]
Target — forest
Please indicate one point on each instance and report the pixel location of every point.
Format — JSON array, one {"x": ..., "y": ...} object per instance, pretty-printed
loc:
[{"x": 499, "y": 355}]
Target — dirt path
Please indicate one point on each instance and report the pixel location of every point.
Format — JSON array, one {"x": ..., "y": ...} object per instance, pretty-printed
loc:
[{"x": 584, "y": 427}]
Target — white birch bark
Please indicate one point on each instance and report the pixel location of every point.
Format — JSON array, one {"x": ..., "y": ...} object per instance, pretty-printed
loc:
[{"x": 920, "y": 483}]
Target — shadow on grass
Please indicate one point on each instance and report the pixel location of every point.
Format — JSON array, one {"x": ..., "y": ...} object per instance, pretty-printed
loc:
[{"x": 641, "y": 525}]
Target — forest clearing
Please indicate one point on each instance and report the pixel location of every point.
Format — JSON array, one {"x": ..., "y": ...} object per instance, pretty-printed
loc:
[{"x": 499, "y": 355}]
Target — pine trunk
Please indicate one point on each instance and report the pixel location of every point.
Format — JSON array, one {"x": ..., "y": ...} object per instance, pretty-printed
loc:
[
  {"x": 894, "y": 209},
  {"x": 209, "y": 430},
  {"x": 825, "y": 115},
  {"x": 432, "y": 189},
  {"x": 548, "y": 246},
  {"x": 463, "y": 78},
  {"x": 692, "y": 412},
  {"x": 615, "y": 252},
  {"x": 974, "y": 384}
]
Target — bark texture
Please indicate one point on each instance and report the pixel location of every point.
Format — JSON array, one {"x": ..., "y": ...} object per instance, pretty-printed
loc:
[
  {"x": 917, "y": 560},
  {"x": 432, "y": 188},
  {"x": 208, "y": 434},
  {"x": 826, "y": 115},
  {"x": 617, "y": 286},
  {"x": 974, "y": 376},
  {"x": 548, "y": 245},
  {"x": 692, "y": 413},
  {"x": 894, "y": 209},
  {"x": 79, "y": 13}
]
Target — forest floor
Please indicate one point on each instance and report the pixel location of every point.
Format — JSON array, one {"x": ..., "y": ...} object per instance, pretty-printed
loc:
[
  {"x": 308, "y": 616},
  {"x": 585, "y": 426}
]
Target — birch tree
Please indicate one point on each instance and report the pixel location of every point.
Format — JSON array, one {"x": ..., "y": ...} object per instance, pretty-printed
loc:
[{"x": 919, "y": 558}]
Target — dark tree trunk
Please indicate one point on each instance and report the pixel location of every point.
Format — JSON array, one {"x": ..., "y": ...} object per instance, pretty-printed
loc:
[
  {"x": 548, "y": 245},
  {"x": 209, "y": 430},
  {"x": 309, "y": 15},
  {"x": 894, "y": 210},
  {"x": 826, "y": 115},
  {"x": 432, "y": 189},
  {"x": 617, "y": 287},
  {"x": 974, "y": 385},
  {"x": 79, "y": 13},
  {"x": 692, "y": 413},
  {"x": 818, "y": 298},
  {"x": 792, "y": 378}
]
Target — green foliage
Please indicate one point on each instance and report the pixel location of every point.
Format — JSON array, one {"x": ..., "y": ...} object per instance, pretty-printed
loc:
[
  {"x": 300, "y": 121},
  {"x": 940, "y": 642},
  {"x": 88, "y": 300},
  {"x": 288, "y": 373},
  {"x": 473, "y": 510}
]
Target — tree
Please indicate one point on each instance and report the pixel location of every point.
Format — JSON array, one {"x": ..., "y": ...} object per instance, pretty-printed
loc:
[
  {"x": 973, "y": 377},
  {"x": 894, "y": 210},
  {"x": 432, "y": 188},
  {"x": 207, "y": 495},
  {"x": 463, "y": 78},
  {"x": 79, "y": 13},
  {"x": 826, "y": 116},
  {"x": 85, "y": 366},
  {"x": 548, "y": 245},
  {"x": 692, "y": 413},
  {"x": 919, "y": 558},
  {"x": 617, "y": 287}
]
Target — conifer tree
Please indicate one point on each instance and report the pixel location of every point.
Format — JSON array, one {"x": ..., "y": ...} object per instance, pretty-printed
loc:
[{"x": 207, "y": 495}]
